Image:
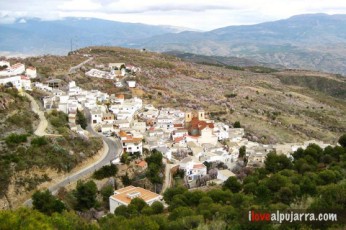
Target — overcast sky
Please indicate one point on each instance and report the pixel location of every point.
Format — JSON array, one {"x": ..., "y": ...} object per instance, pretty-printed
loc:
[{"x": 197, "y": 14}]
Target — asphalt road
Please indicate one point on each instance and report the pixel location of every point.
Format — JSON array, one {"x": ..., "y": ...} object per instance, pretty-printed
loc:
[{"x": 112, "y": 148}]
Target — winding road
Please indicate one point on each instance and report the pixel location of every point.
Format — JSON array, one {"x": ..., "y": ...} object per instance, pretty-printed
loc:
[{"x": 112, "y": 150}]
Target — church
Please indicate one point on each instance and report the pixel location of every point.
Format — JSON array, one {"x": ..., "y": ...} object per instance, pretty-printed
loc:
[{"x": 200, "y": 128}]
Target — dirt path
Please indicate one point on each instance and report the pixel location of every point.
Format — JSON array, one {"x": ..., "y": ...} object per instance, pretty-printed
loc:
[
  {"x": 42, "y": 126},
  {"x": 168, "y": 177}
]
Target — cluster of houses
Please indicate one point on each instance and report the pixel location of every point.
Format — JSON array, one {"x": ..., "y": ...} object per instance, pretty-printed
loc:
[
  {"x": 186, "y": 138},
  {"x": 16, "y": 75},
  {"x": 115, "y": 71}
]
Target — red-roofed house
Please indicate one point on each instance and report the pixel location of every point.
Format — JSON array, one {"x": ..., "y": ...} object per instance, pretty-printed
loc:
[
  {"x": 129, "y": 143},
  {"x": 124, "y": 196}
]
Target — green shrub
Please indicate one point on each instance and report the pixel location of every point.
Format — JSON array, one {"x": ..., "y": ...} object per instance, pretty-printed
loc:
[
  {"x": 105, "y": 171},
  {"x": 14, "y": 138}
]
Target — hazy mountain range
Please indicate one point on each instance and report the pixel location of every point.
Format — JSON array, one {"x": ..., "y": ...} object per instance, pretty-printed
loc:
[
  {"x": 34, "y": 36},
  {"x": 315, "y": 41}
]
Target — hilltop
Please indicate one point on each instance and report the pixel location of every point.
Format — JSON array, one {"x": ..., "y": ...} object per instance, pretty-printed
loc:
[{"x": 273, "y": 105}]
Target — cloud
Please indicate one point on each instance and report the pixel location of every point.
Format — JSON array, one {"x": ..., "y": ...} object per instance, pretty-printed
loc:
[
  {"x": 202, "y": 14},
  {"x": 80, "y": 5}
]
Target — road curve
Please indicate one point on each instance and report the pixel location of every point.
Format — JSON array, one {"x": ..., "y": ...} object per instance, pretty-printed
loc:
[{"x": 112, "y": 150}]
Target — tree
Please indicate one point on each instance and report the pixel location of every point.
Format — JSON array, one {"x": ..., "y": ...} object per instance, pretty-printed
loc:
[
  {"x": 138, "y": 204},
  {"x": 106, "y": 192},
  {"x": 81, "y": 119},
  {"x": 232, "y": 184},
  {"x": 171, "y": 192},
  {"x": 46, "y": 203},
  {"x": 342, "y": 140},
  {"x": 285, "y": 195},
  {"x": 242, "y": 152},
  {"x": 126, "y": 180},
  {"x": 125, "y": 159},
  {"x": 121, "y": 210},
  {"x": 85, "y": 194},
  {"x": 275, "y": 163},
  {"x": 157, "y": 207},
  {"x": 236, "y": 124}
]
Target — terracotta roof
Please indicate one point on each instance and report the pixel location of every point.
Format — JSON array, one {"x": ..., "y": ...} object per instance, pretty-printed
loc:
[
  {"x": 197, "y": 124},
  {"x": 123, "y": 194},
  {"x": 178, "y": 125},
  {"x": 122, "y": 133},
  {"x": 133, "y": 140},
  {"x": 198, "y": 166},
  {"x": 23, "y": 77},
  {"x": 178, "y": 139},
  {"x": 17, "y": 65},
  {"x": 142, "y": 164},
  {"x": 120, "y": 96}
]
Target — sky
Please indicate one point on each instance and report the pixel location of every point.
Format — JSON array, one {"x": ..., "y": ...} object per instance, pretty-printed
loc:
[{"x": 199, "y": 15}]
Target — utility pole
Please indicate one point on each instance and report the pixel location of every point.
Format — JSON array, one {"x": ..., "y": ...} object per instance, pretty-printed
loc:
[{"x": 71, "y": 44}]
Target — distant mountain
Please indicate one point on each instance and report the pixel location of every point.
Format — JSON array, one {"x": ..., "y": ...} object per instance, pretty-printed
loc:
[
  {"x": 315, "y": 41},
  {"x": 219, "y": 60},
  {"x": 34, "y": 36}
]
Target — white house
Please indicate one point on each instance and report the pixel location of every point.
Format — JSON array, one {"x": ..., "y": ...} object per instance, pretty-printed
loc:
[
  {"x": 15, "y": 69},
  {"x": 179, "y": 133},
  {"x": 31, "y": 72},
  {"x": 221, "y": 131},
  {"x": 192, "y": 168},
  {"x": 124, "y": 196},
  {"x": 166, "y": 152},
  {"x": 96, "y": 116},
  {"x": 131, "y": 84},
  {"x": 26, "y": 82},
  {"x": 15, "y": 80},
  {"x": 224, "y": 174},
  {"x": 130, "y": 143}
]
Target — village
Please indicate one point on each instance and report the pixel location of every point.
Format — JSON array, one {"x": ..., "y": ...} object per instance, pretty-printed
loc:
[{"x": 187, "y": 139}]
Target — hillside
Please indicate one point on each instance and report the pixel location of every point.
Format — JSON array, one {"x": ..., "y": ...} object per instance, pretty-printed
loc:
[
  {"x": 28, "y": 161},
  {"x": 315, "y": 42},
  {"x": 273, "y": 105}
]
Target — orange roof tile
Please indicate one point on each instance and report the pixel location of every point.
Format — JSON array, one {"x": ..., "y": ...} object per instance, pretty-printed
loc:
[
  {"x": 133, "y": 140},
  {"x": 122, "y": 133},
  {"x": 198, "y": 166},
  {"x": 142, "y": 164},
  {"x": 122, "y": 194},
  {"x": 178, "y": 139}
]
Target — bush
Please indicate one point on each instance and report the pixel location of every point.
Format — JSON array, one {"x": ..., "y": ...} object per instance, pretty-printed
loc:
[
  {"x": 46, "y": 203},
  {"x": 105, "y": 171},
  {"x": 342, "y": 141},
  {"x": 237, "y": 125},
  {"x": 39, "y": 141},
  {"x": 14, "y": 139}
]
